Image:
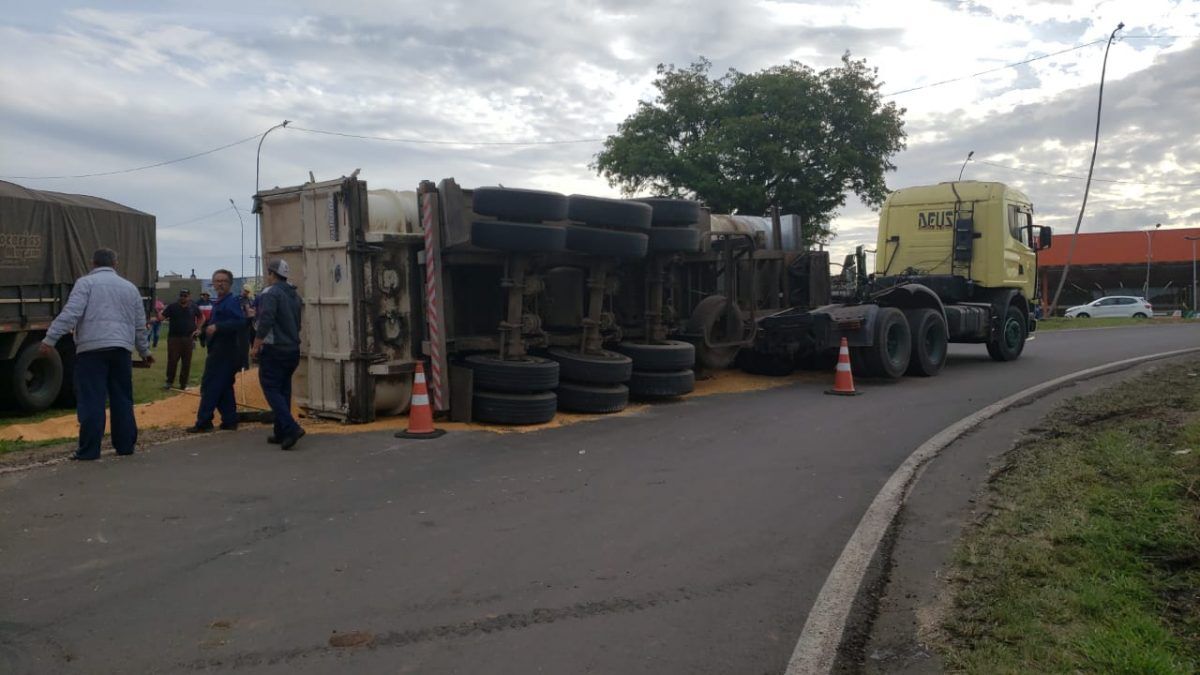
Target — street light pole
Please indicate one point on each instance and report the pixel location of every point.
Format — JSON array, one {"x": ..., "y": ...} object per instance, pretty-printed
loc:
[
  {"x": 964, "y": 166},
  {"x": 241, "y": 239},
  {"x": 257, "y": 214},
  {"x": 1193, "y": 240},
  {"x": 1149, "y": 256}
]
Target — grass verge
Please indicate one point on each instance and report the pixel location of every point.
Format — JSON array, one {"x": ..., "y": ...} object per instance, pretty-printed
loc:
[
  {"x": 1060, "y": 323},
  {"x": 1088, "y": 556}
]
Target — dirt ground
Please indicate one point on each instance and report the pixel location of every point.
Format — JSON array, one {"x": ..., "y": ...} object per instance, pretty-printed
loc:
[{"x": 179, "y": 411}]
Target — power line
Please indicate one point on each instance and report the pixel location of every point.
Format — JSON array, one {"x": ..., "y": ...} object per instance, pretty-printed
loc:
[
  {"x": 196, "y": 219},
  {"x": 140, "y": 168},
  {"x": 425, "y": 141},
  {"x": 997, "y": 68},
  {"x": 1094, "y": 180}
]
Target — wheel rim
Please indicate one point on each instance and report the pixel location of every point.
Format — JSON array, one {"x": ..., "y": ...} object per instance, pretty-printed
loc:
[
  {"x": 893, "y": 343},
  {"x": 1012, "y": 333},
  {"x": 935, "y": 346},
  {"x": 35, "y": 376}
]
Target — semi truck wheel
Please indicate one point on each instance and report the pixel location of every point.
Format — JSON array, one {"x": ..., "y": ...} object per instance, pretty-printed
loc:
[
  {"x": 1009, "y": 344},
  {"x": 528, "y": 374},
  {"x": 592, "y": 398},
  {"x": 602, "y": 367},
  {"x": 673, "y": 212},
  {"x": 518, "y": 237},
  {"x": 526, "y": 206},
  {"x": 35, "y": 379},
  {"x": 892, "y": 348},
  {"x": 602, "y": 242},
  {"x": 661, "y": 384},
  {"x": 663, "y": 356},
  {"x": 929, "y": 342},
  {"x": 501, "y": 408},
  {"x": 622, "y": 214},
  {"x": 674, "y": 240}
]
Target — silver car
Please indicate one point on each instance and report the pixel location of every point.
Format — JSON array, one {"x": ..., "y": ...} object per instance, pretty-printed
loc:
[{"x": 1126, "y": 306}]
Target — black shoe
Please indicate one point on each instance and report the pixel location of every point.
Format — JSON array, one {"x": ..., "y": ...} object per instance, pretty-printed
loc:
[
  {"x": 273, "y": 439},
  {"x": 289, "y": 442},
  {"x": 76, "y": 457},
  {"x": 167, "y": 387},
  {"x": 229, "y": 427},
  {"x": 199, "y": 429}
]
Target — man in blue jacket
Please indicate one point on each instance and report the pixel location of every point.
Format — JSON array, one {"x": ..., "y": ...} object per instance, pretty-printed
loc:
[
  {"x": 277, "y": 346},
  {"x": 225, "y": 333},
  {"x": 109, "y": 320}
]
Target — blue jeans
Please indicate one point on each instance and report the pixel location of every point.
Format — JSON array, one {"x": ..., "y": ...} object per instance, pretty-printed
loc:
[
  {"x": 216, "y": 390},
  {"x": 275, "y": 370},
  {"x": 100, "y": 374},
  {"x": 154, "y": 328}
]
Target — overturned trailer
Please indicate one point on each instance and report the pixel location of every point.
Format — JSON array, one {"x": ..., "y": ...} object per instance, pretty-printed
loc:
[{"x": 520, "y": 302}]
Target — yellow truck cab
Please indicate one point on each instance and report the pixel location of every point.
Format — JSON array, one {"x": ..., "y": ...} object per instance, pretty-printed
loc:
[{"x": 917, "y": 235}]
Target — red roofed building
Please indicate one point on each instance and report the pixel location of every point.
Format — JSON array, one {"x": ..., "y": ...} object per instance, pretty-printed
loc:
[{"x": 1115, "y": 263}]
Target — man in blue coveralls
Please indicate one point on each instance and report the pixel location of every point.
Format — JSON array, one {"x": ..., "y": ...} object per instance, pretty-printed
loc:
[{"x": 225, "y": 333}]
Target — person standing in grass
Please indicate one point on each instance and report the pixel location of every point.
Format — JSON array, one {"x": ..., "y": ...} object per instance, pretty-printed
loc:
[
  {"x": 183, "y": 325},
  {"x": 156, "y": 323},
  {"x": 277, "y": 347},
  {"x": 224, "y": 332},
  {"x": 109, "y": 320}
]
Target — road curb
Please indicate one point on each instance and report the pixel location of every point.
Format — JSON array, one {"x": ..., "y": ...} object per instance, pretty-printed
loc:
[{"x": 817, "y": 648}]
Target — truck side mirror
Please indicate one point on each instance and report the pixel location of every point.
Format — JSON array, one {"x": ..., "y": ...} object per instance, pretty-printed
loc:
[{"x": 1043, "y": 237}]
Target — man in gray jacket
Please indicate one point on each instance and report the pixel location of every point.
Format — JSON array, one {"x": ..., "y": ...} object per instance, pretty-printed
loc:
[
  {"x": 277, "y": 346},
  {"x": 109, "y": 320}
]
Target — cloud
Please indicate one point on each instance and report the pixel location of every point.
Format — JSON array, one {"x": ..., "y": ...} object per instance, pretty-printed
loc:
[{"x": 107, "y": 86}]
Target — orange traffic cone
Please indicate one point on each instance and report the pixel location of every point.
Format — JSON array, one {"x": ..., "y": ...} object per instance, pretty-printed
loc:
[
  {"x": 843, "y": 379},
  {"x": 420, "y": 414}
]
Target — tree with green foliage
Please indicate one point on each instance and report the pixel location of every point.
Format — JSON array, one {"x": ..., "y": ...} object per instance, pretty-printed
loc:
[{"x": 788, "y": 136}]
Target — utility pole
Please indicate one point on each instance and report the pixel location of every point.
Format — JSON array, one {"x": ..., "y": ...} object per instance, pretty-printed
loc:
[
  {"x": 257, "y": 189},
  {"x": 1193, "y": 240},
  {"x": 1088, "y": 185},
  {"x": 1149, "y": 256},
  {"x": 964, "y": 166},
  {"x": 241, "y": 239}
]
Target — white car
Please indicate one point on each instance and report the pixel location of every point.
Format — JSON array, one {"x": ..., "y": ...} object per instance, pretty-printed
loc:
[{"x": 1114, "y": 305}]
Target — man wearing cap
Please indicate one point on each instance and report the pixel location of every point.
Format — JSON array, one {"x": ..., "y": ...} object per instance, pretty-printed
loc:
[
  {"x": 224, "y": 331},
  {"x": 183, "y": 325},
  {"x": 277, "y": 347}
]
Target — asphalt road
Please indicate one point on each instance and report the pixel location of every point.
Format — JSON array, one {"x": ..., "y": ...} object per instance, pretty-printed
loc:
[{"x": 688, "y": 539}]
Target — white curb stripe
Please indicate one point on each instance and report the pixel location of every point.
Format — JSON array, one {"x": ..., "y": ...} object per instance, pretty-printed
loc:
[{"x": 816, "y": 650}]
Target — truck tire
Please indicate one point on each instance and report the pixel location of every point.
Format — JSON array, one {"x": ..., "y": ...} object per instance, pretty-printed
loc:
[
  {"x": 592, "y": 398},
  {"x": 505, "y": 408},
  {"x": 34, "y": 379},
  {"x": 603, "y": 367},
  {"x": 674, "y": 240},
  {"x": 929, "y": 342},
  {"x": 889, "y": 355},
  {"x": 708, "y": 320},
  {"x": 1008, "y": 345},
  {"x": 518, "y": 237},
  {"x": 526, "y": 375},
  {"x": 673, "y": 212},
  {"x": 525, "y": 206},
  {"x": 622, "y": 214},
  {"x": 601, "y": 242},
  {"x": 671, "y": 355},
  {"x": 650, "y": 385}
]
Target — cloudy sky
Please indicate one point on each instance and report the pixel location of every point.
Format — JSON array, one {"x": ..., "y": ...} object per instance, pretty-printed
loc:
[{"x": 107, "y": 86}]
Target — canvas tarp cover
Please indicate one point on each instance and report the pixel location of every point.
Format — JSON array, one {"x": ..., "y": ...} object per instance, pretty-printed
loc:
[{"x": 49, "y": 237}]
